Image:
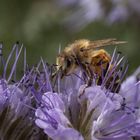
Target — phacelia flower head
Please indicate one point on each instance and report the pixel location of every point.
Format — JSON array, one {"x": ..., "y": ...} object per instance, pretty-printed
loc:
[
  {"x": 68, "y": 108},
  {"x": 123, "y": 122},
  {"x": 72, "y": 110},
  {"x": 16, "y": 113}
]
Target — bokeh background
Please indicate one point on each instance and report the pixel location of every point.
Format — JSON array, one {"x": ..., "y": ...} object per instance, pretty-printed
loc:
[{"x": 45, "y": 25}]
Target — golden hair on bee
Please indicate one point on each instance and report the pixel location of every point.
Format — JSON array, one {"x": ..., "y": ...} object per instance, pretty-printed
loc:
[{"x": 86, "y": 54}]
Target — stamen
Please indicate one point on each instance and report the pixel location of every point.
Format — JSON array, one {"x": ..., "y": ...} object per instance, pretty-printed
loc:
[
  {"x": 25, "y": 63},
  {"x": 14, "y": 65},
  {"x": 58, "y": 83},
  {"x": 28, "y": 106},
  {"x": 56, "y": 79},
  {"x": 8, "y": 59},
  {"x": 122, "y": 77},
  {"x": 119, "y": 61},
  {"x": 108, "y": 76},
  {"x": 35, "y": 93},
  {"x": 47, "y": 76},
  {"x": 136, "y": 97},
  {"x": 117, "y": 58},
  {"x": 15, "y": 69},
  {"x": 113, "y": 82},
  {"x": 111, "y": 72},
  {"x": 2, "y": 63}
]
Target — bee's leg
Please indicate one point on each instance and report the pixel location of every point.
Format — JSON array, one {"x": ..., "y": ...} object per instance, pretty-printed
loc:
[
  {"x": 58, "y": 71},
  {"x": 53, "y": 78},
  {"x": 89, "y": 73},
  {"x": 90, "y": 81},
  {"x": 100, "y": 61},
  {"x": 54, "y": 75}
]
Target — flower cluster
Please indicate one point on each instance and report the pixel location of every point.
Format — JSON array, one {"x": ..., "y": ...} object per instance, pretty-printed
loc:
[
  {"x": 86, "y": 11},
  {"x": 16, "y": 107},
  {"x": 72, "y": 110},
  {"x": 67, "y": 108}
]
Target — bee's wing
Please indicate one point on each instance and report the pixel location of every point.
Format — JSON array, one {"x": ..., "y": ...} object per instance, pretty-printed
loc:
[{"x": 104, "y": 42}]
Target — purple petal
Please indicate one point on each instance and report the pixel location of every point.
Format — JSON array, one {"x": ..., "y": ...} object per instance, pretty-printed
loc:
[
  {"x": 114, "y": 124},
  {"x": 52, "y": 132},
  {"x": 130, "y": 88},
  {"x": 53, "y": 100},
  {"x": 68, "y": 134}
]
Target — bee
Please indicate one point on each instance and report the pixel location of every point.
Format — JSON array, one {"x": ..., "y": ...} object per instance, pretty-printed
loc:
[{"x": 85, "y": 54}]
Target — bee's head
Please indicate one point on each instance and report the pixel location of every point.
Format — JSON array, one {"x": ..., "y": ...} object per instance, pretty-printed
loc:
[{"x": 65, "y": 64}]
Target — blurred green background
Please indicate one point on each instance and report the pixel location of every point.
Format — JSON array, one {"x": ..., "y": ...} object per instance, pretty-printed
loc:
[{"x": 43, "y": 25}]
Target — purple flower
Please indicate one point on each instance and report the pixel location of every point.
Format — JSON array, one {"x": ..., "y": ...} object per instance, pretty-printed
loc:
[
  {"x": 3, "y": 95},
  {"x": 56, "y": 117},
  {"x": 81, "y": 13},
  {"x": 51, "y": 117},
  {"x": 118, "y": 14},
  {"x": 87, "y": 11},
  {"x": 5, "y": 79},
  {"x": 16, "y": 114},
  {"x": 104, "y": 111},
  {"x": 123, "y": 122},
  {"x": 68, "y": 108}
]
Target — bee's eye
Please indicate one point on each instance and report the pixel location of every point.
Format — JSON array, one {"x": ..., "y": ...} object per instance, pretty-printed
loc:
[
  {"x": 68, "y": 62},
  {"x": 82, "y": 49}
]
